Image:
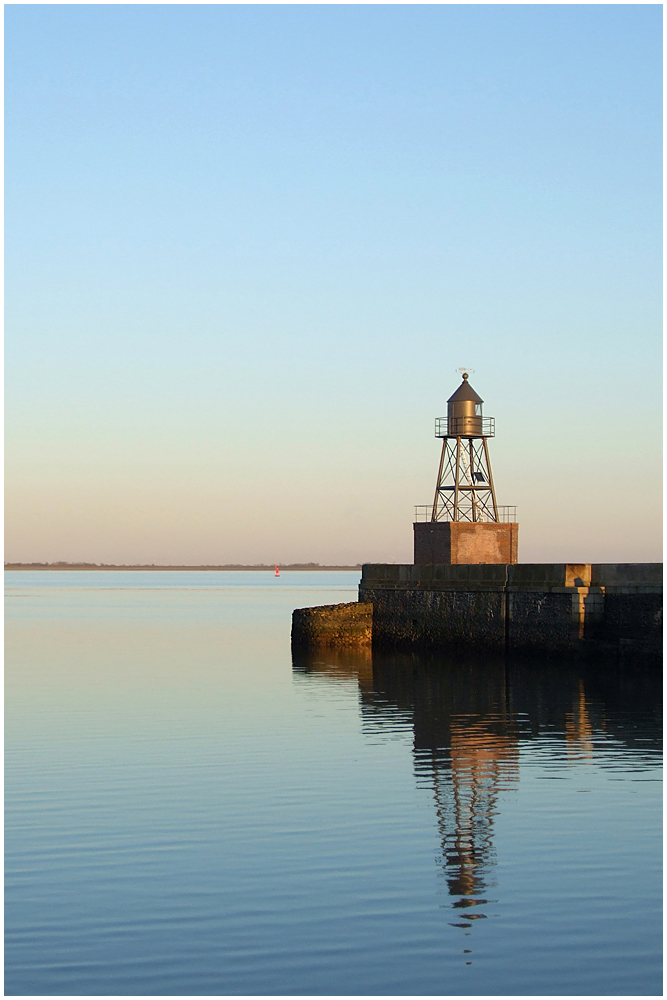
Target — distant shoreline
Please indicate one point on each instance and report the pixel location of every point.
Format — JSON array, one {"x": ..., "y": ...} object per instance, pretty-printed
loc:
[{"x": 311, "y": 567}]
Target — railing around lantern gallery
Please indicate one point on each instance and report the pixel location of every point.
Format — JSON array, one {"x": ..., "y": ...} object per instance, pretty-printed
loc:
[
  {"x": 465, "y": 427},
  {"x": 506, "y": 514}
]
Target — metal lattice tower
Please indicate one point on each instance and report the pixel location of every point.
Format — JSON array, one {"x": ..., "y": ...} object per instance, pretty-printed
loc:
[{"x": 464, "y": 489}]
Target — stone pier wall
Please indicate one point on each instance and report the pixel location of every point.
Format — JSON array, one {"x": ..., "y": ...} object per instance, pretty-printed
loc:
[
  {"x": 541, "y": 608},
  {"x": 564, "y": 608}
]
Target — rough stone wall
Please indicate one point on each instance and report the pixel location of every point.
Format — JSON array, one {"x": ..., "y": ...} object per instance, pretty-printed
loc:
[
  {"x": 633, "y": 621},
  {"x": 460, "y": 619},
  {"x": 544, "y": 621},
  {"x": 632, "y": 607},
  {"x": 333, "y": 625}
]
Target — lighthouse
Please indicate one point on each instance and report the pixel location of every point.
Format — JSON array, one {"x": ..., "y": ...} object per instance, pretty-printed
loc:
[{"x": 465, "y": 524}]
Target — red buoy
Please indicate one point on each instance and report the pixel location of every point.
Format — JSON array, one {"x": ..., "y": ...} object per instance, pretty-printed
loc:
[{"x": 277, "y": 571}]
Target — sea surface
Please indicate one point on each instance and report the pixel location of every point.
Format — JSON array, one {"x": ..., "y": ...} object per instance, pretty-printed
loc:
[{"x": 190, "y": 812}]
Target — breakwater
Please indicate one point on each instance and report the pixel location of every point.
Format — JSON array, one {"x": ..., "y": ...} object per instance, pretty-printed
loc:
[
  {"x": 337, "y": 625},
  {"x": 563, "y": 608}
]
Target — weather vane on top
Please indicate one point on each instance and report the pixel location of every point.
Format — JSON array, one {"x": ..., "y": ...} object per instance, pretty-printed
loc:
[{"x": 465, "y": 372}]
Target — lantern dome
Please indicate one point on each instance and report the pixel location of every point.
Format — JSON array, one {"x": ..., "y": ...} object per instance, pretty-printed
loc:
[{"x": 464, "y": 411}]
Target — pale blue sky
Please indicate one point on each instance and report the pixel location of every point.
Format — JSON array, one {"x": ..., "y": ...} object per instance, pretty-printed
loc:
[{"x": 247, "y": 247}]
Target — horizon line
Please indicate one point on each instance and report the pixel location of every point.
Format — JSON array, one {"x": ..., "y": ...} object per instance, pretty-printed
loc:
[{"x": 175, "y": 566}]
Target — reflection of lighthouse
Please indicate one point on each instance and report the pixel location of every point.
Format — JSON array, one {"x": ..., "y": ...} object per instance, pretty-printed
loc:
[
  {"x": 466, "y": 787},
  {"x": 467, "y": 719},
  {"x": 465, "y": 746},
  {"x": 466, "y": 750}
]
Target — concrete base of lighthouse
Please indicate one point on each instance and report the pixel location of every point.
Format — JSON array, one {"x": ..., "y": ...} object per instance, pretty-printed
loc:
[{"x": 456, "y": 542}]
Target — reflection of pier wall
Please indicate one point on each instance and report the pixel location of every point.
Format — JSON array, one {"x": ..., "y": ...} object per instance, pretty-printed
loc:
[{"x": 334, "y": 663}]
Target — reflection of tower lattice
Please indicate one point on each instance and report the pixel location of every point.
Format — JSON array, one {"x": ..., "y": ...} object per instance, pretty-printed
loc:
[
  {"x": 466, "y": 747},
  {"x": 482, "y": 764}
]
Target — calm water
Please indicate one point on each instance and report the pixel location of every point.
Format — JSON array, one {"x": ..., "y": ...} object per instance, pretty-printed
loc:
[{"x": 189, "y": 812}]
